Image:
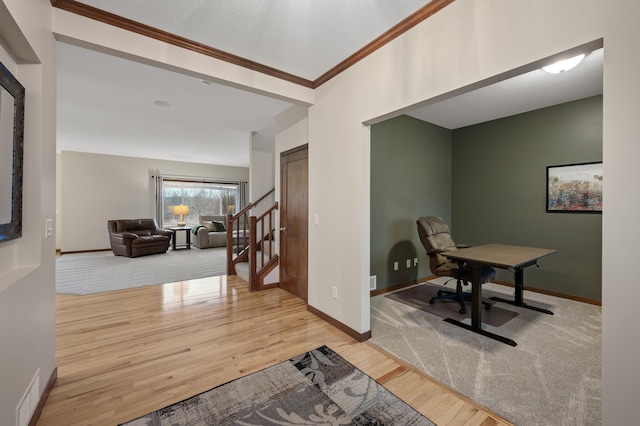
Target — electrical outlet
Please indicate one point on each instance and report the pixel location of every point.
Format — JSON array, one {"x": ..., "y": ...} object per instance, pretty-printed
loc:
[
  {"x": 334, "y": 292},
  {"x": 373, "y": 282},
  {"x": 415, "y": 261},
  {"x": 408, "y": 263},
  {"x": 395, "y": 266}
]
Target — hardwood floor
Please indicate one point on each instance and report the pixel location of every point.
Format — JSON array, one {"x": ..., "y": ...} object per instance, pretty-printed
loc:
[{"x": 123, "y": 354}]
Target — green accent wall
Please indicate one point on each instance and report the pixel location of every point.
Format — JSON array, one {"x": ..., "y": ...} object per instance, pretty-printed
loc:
[
  {"x": 499, "y": 192},
  {"x": 489, "y": 182},
  {"x": 410, "y": 177}
]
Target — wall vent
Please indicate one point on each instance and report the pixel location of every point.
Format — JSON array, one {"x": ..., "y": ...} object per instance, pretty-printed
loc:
[
  {"x": 29, "y": 401},
  {"x": 373, "y": 282}
]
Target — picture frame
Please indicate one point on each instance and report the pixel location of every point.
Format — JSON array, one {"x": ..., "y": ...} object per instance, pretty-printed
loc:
[
  {"x": 12, "y": 96},
  {"x": 575, "y": 188}
]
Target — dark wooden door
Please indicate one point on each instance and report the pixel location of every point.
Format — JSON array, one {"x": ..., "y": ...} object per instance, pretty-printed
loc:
[{"x": 294, "y": 218}]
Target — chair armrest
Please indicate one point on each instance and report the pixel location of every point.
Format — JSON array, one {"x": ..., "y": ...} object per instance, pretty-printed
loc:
[
  {"x": 121, "y": 236},
  {"x": 202, "y": 238},
  {"x": 435, "y": 251},
  {"x": 165, "y": 232}
]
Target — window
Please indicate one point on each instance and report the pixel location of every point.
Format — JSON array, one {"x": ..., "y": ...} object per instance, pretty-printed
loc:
[{"x": 202, "y": 198}]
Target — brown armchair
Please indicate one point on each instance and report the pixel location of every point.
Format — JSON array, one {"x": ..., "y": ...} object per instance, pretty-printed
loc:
[
  {"x": 137, "y": 237},
  {"x": 436, "y": 239}
]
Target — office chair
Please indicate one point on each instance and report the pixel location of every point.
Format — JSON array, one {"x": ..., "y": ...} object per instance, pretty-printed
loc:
[{"x": 435, "y": 237}]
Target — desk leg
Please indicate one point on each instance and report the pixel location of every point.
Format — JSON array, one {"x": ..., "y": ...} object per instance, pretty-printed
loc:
[
  {"x": 476, "y": 311},
  {"x": 476, "y": 299},
  {"x": 518, "y": 277}
]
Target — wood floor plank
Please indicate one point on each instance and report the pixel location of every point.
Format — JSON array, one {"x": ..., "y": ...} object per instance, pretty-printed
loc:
[{"x": 123, "y": 354}]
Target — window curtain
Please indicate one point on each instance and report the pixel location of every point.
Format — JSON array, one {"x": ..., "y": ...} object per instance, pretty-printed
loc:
[
  {"x": 158, "y": 182},
  {"x": 157, "y": 178},
  {"x": 242, "y": 188}
]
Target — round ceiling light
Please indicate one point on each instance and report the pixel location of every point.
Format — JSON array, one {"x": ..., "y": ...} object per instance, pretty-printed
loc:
[
  {"x": 163, "y": 104},
  {"x": 564, "y": 65}
]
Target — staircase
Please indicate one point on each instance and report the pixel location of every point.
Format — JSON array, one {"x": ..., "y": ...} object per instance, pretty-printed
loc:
[{"x": 250, "y": 247}]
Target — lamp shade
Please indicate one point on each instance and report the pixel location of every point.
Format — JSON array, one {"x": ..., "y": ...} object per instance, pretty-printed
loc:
[{"x": 180, "y": 209}]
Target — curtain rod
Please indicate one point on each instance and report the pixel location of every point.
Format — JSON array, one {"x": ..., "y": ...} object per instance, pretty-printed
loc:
[{"x": 196, "y": 178}]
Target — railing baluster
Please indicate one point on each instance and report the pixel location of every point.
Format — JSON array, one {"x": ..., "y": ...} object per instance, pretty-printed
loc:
[{"x": 242, "y": 233}]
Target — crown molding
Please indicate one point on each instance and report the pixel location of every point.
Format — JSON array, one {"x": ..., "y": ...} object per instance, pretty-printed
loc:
[
  {"x": 145, "y": 30},
  {"x": 127, "y": 24},
  {"x": 403, "y": 26}
]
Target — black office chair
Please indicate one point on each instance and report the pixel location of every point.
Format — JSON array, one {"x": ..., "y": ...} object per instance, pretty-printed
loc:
[{"x": 435, "y": 237}]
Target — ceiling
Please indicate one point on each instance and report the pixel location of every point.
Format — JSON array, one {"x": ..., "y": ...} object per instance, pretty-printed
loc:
[{"x": 105, "y": 103}]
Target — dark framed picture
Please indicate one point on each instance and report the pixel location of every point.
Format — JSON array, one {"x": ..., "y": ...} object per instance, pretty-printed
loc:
[{"x": 574, "y": 188}]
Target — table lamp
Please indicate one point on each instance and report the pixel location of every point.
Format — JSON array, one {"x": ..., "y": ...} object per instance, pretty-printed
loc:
[{"x": 181, "y": 210}]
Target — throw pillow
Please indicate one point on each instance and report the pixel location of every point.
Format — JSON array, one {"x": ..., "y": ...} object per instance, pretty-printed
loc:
[
  {"x": 219, "y": 226},
  {"x": 210, "y": 226}
]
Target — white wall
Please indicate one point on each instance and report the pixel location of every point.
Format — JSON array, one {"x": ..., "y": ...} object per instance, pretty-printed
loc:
[
  {"x": 261, "y": 172},
  {"x": 27, "y": 286},
  {"x": 95, "y": 188},
  {"x": 466, "y": 43},
  {"x": 620, "y": 226}
]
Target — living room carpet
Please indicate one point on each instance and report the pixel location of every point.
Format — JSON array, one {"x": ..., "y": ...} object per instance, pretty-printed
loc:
[
  {"x": 419, "y": 295},
  {"x": 317, "y": 387},
  {"x": 553, "y": 376},
  {"x": 97, "y": 272}
]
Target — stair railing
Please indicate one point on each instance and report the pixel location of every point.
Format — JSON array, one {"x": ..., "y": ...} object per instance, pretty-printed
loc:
[
  {"x": 261, "y": 235},
  {"x": 238, "y": 235}
]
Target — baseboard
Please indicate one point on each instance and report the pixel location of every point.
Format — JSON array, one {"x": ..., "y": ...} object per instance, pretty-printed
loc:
[
  {"x": 552, "y": 293},
  {"x": 83, "y": 251},
  {"x": 401, "y": 286},
  {"x": 360, "y": 337},
  {"x": 500, "y": 282},
  {"x": 44, "y": 397}
]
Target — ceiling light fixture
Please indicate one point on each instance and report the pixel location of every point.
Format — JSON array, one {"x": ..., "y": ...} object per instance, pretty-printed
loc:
[
  {"x": 163, "y": 104},
  {"x": 564, "y": 65}
]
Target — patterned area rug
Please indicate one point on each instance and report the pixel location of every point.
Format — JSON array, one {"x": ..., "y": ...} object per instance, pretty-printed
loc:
[{"x": 317, "y": 387}]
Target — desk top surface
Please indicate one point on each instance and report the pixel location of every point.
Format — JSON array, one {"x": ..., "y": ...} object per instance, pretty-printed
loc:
[{"x": 499, "y": 255}]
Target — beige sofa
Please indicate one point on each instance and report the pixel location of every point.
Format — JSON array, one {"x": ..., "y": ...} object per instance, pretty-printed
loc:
[{"x": 205, "y": 234}]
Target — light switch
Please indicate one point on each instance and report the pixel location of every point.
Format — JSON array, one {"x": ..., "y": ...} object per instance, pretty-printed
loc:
[{"x": 48, "y": 228}]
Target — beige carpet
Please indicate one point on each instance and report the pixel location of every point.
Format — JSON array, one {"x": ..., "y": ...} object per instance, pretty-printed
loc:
[
  {"x": 419, "y": 295},
  {"x": 553, "y": 376},
  {"x": 97, "y": 272}
]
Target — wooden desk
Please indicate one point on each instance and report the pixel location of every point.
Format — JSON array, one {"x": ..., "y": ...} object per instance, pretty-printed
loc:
[{"x": 498, "y": 256}]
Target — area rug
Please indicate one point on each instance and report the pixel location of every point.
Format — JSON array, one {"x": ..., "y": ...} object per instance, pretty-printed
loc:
[
  {"x": 317, "y": 387},
  {"x": 419, "y": 295},
  {"x": 97, "y": 272},
  {"x": 552, "y": 378}
]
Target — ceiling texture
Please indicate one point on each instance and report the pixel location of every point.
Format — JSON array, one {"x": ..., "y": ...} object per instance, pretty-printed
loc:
[{"x": 106, "y": 104}]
